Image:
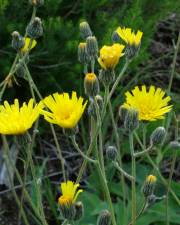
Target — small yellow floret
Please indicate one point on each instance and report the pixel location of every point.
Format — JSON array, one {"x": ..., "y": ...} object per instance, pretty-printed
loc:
[
  {"x": 82, "y": 44},
  {"x": 110, "y": 55},
  {"x": 90, "y": 77},
  {"x": 29, "y": 44},
  {"x": 16, "y": 120},
  {"x": 151, "y": 104},
  {"x": 65, "y": 111},
  {"x": 151, "y": 179},
  {"x": 129, "y": 36},
  {"x": 69, "y": 193}
]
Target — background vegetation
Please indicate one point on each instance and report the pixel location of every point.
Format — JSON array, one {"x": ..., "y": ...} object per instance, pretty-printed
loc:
[{"x": 55, "y": 67}]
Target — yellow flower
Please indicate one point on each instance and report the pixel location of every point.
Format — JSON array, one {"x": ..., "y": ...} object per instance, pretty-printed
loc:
[
  {"x": 16, "y": 120},
  {"x": 27, "y": 45},
  {"x": 65, "y": 111},
  {"x": 109, "y": 56},
  {"x": 129, "y": 36},
  {"x": 150, "y": 104},
  {"x": 69, "y": 193},
  {"x": 151, "y": 179}
]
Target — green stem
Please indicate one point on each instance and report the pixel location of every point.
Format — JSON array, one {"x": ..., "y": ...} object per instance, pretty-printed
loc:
[
  {"x": 8, "y": 165},
  {"x": 107, "y": 193},
  {"x": 76, "y": 146},
  {"x": 141, "y": 211},
  {"x": 171, "y": 171},
  {"x": 118, "y": 80},
  {"x": 133, "y": 184},
  {"x": 120, "y": 166}
]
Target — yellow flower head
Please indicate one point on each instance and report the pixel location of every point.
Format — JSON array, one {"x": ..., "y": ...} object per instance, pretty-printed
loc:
[
  {"x": 69, "y": 193},
  {"x": 109, "y": 56},
  {"x": 27, "y": 45},
  {"x": 129, "y": 36},
  {"x": 151, "y": 179},
  {"x": 65, "y": 111},
  {"x": 151, "y": 104},
  {"x": 16, "y": 120}
]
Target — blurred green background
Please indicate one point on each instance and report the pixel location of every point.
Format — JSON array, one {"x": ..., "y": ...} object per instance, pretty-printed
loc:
[{"x": 54, "y": 63}]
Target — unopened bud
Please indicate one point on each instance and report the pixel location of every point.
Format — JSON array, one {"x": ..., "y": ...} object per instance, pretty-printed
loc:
[
  {"x": 104, "y": 218},
  {"x": 122, "y": 112},
  {"x": 83, "y": 56},
  {"x": 91, "y": 84},
  {"x": 175, "y": 145},
  {"x": 111, "y": 153},
  {"x": 131, "y": 120},
  {"x": 92, "y": 46},
  {"x": 34, "y": 29},
  {"x": 36, "y": 2},
  {"x": 115, "y": 37},
  {"x": 107, "y": 76},
  {"x": 149, "y": 185},
  {"x": 85, "y": 30},
  {"x": 99, "y": 101},
  {"x": 17, "y": 41},
  {"x": 157, "y": 136},
  {"x": 79, "y": 210}
]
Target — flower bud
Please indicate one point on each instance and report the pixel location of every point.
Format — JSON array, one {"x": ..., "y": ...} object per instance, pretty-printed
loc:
[
  {"x": 175, "y": 145},
  {"x": 34, "y": 28},
  {"x": 131, "y": 120},
  {"x": 79, "y": 210},
  {"x": 107, "y": 76},
  {"x": 99, "y": 101},
  {"x": 104, "y": 218},
  {"x": 157, "y": 136},
  {"x": 17, "y": 41},
  {"x": 91, "y": 84},
  {"x": 92, "y": 46},
  {"x": 85, "y": 30},
  {"x": 149, "y": 185},
  {"x": 83, "y": 56},
  {"x": 115, "y": 37},
  {"x": 20, "y": 71},
  {"x": 111, "y": 153},
  {"x": 122, "y": 112},
  {"x": 67, "y": 211},
  {"x": 36, "y": 2}
]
